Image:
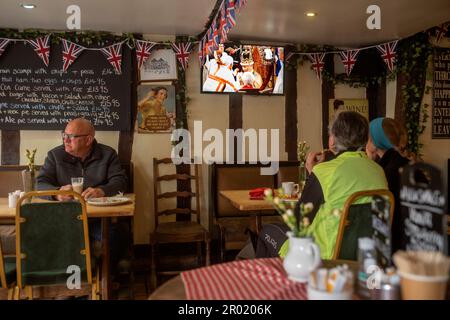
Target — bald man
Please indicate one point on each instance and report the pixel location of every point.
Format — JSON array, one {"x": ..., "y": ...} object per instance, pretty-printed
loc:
[{"x": 81, "y": 156}]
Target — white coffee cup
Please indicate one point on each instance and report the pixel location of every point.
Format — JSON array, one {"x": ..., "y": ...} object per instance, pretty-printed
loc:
[
  {"x": 77, "y": 184},
  {"x": 289, "y": 188}
]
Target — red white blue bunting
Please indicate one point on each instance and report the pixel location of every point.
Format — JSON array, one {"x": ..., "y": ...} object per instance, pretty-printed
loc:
[
  {"x": 113, "y": 54},
  {"x": 348, "y": 58},
  {"x": 143, "y": 51},
  {"x": 387, "y": 51},
  {"x": 41, "y": 46},
  {"x": 317, "y": 63},
  {"x": 70, "y": 53},
  {"x": 182, "y": 51},
  {"x": 3, "y": 44}
]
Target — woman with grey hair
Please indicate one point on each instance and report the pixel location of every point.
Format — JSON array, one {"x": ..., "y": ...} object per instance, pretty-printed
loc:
[{"x": 329, "y": 184}]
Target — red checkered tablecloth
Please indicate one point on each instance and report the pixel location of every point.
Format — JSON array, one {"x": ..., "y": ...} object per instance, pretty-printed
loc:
[{"x": 256, "y": 279}]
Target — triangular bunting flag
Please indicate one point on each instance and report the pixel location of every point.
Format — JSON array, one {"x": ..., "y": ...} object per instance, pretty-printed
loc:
[
  {"x": 289, "y": 56},
  {"x": 201, "y": 51},
  {"x": 42, "y": 48},
  {"x": 215, "y": 36},
  {"x": 223, "y": 26},
  {"x": 441, "y": 31},
  {"x": 71, "y": 51},
  {"x": 143, "y": 49},
  {"x": 182, "y": 51},
  {"x": 113, "y": 54},
  {"x": 387, "y": 51},
  {"x": 231, "y": 13},
  {"x": 349, "y": 59},
  {"x": 3, "y": 44},
  {"x": 317, "y": 63}
]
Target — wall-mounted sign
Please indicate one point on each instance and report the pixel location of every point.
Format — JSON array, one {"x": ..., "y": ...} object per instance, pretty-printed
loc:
[{"x": 441, "y": 95}]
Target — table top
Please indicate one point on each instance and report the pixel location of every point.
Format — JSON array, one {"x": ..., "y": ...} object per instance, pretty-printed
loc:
[
  {"x": 174, "y": 289},
  {"x": 240, "y": 199},
  {"x": 123, "y": 210}
]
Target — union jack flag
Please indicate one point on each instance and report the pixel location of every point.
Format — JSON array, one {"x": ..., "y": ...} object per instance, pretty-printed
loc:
[
  {"x": 209, "y": 45},
  {"x": 289, "y": 56},
  {"x": 387, "y": 51},
  {"x": 240, "y": 3},
  {"x": 441, "y": 31},
  {"x": 349, "y": 59},
  {"x": 143, "y": 49},
  {"x": 231, "y": 13},
  {"x": 215, "y": 36},
  {"x": 223, "y": 26},
  {"x": 113, "y": 54},
  {"x": 317, "y": 63},
  {"x": 3, "y": 45},
  {"x": 182, "y": 51},
  {"x": 42, "y": 47},
  {"x": 201, "y": 51},
  {"x": 71, "y": 51}
]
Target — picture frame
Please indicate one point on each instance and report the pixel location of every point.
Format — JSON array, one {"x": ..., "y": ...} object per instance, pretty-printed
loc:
[
  {"x": 160, "y": 66},
  {"x": 156, "y": 110}
]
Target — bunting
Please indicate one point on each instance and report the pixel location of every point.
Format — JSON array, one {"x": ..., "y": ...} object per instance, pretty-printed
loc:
[
  {"x": 3, "y": 44},
  {"x": 42, "y": 47},
  {"x": 223, "y": 26},
  {"x": 143, "y": 49},
  {"x": 71, "y": 51},
  {"x": 441, "y": 31},
  {"x": 387, "y": 51},
  {"x": 348, "y": 58},
  {"x": 182, "y": 51},
  {"x": 317, "y": 63},
  {"x": 113, "y": 54},
  {"x": 231, "y": 13},
  {"x": 201, "y": 51}
]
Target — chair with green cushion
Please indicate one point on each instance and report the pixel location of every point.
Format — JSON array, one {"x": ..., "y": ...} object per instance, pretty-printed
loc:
[
  {"x": 7, "y": 273},
  {"x": 356, "y": 222},
  {"x": 52, "y": 240}
]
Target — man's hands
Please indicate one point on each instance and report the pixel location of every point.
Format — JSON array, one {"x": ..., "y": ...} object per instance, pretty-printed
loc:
[
  {"x": 92, "y": 193},
  {"x": 88, "y": 193},
  {"x": 67, "y": 187},
  {"x": 312, "y": 159}
]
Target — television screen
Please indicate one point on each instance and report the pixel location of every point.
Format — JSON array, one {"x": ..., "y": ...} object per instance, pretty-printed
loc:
[{"x": 245, "y": 69}]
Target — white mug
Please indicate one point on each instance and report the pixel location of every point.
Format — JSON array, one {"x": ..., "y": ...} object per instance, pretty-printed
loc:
[{"x": 289, "y": 188}]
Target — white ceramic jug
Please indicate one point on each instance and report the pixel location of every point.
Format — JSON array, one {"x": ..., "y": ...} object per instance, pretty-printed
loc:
[{"x": 302, "y": 257}]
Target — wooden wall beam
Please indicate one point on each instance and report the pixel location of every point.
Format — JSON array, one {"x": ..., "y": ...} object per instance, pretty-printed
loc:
[
  {"x": 290, "y": 113},
  {"x": 327, "y": 93},
  {"x": 10, "y": 147}
]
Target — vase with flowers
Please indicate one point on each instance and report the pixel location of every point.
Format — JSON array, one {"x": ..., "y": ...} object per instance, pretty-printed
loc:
[
  {"x": 302, "y": 152},
  {"x": 29, "y": 174},
  {"x": 303, "y": 255}
]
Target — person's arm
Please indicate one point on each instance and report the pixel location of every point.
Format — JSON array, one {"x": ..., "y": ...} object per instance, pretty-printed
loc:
[
  {"x": 311, "y": 193},
  {"x": 46, "y": 179}
]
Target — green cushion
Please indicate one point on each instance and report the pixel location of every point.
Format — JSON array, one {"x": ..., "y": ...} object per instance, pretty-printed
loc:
[
  {"x": 10, "y": 269},
  {"x": 52, "y": 238},
  {"x": 360, "y": 218}
]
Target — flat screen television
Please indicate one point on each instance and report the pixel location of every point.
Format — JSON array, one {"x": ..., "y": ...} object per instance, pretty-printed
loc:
[{"x": 249, "y": 69}]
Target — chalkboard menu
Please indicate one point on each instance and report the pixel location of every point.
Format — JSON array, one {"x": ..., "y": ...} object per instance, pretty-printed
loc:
[
  {"x": 381, "y": 224},
  {"x": 441, "y": 94},
  {"x": 36, "y": 97},
  {"x": 422, "y": 209}
]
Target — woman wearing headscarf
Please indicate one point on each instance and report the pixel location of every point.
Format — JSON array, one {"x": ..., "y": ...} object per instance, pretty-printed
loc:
[{"x": 387, "y": 146}]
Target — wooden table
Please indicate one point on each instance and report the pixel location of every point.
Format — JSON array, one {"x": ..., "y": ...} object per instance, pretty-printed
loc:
[
  {"x": 7, "y": 215},
  {"x": 174, "y": 288},
  {"x": 240, "y": 199}
]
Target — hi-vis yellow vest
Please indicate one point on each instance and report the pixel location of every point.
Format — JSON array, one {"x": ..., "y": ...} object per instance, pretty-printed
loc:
[{"x": 350, "y": 172}]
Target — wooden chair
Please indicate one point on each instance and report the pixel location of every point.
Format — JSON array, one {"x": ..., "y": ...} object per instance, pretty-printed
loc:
[
  {"x": 187, "y": 231},
  {"x": 356, "y": 222},
  {"x": 7, "y": 273},
  {"x": 52, "y": 236}
]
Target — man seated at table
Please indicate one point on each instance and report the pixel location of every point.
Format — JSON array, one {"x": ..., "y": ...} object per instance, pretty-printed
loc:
[
  {"x": 329, "y": 185},
  {"x": 81, "y": 155}
]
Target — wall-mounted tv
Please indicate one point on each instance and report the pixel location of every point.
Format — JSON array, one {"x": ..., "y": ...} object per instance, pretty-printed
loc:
[{"x": 245, "y": 69}]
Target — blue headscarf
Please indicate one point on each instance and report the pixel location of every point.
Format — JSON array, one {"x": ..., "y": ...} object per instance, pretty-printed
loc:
[{"x": 379, "y": 138}]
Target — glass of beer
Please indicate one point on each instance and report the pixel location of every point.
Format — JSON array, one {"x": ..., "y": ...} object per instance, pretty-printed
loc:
[{"x": 77, "y": 184}]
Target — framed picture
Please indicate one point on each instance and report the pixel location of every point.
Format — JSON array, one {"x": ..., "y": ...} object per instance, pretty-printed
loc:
[
  {"x": 156, "y": 108},
  {"x": 160, "y": 66}
]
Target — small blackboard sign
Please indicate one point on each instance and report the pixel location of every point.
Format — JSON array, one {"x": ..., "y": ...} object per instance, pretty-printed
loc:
[
  {"x": 36, "y": 97},
  {"x": 422, "y": 209},
  {"x": 381, "y": 224}
]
